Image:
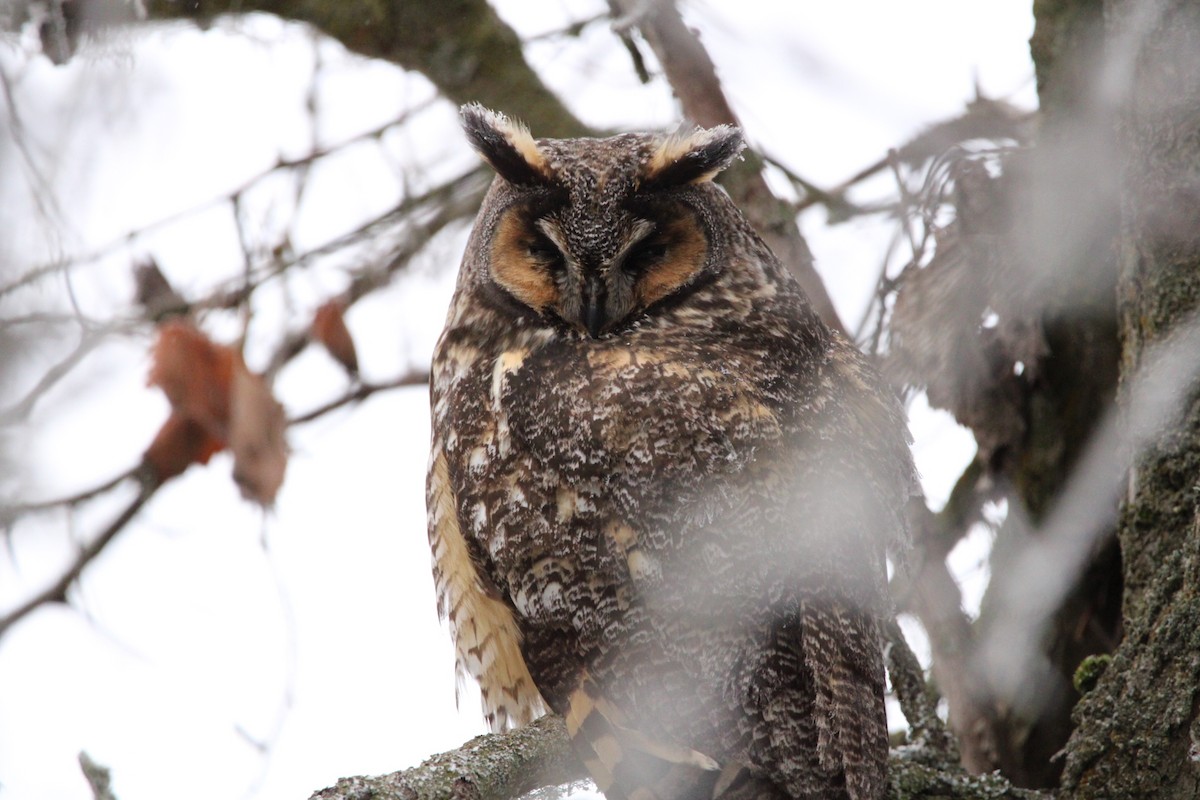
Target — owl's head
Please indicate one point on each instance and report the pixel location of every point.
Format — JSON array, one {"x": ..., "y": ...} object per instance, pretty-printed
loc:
[{"x": 593, "y": 232}]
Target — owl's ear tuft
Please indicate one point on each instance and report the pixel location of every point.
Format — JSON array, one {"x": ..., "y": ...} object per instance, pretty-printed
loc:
[
  {"x": 505, "y": 144},
  {"x": 693, "y": 156}
]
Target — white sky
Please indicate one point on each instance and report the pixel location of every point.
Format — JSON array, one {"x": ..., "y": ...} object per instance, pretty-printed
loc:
[{"x": 224, "y": 653}]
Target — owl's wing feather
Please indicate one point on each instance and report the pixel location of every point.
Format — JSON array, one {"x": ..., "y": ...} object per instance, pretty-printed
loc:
[{"x": 486, "y": 637}]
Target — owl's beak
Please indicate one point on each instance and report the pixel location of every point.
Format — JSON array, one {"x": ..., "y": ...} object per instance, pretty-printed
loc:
[{"x": 594, "y": 318}]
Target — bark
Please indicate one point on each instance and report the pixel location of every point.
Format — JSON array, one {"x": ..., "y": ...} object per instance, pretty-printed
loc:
[
  {"x": 508, "y": 765},
  {"x": 462, "y": 46},
  {"x": 693, "y": 76},
  {"x": 489, "y": 767},
  {"x": 1044, "y": 234},
  {"x": 1139, "y": 730}
]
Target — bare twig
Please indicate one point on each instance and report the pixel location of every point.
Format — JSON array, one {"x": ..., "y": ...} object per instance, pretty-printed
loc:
[
  {"x": 42, "y": 189},
  {"x": 440, "y": 207},
  {"x": 905, "y": 206},
  {"x": 572, "y": 29},
  {"x": 362, "y": 392},
  {"x": 35, "y": 274},
  {"x": 57, "y": 592},
  {"x": 983, "y": 119},
  {"x": 72, "y": 499},
  {"x": 21, "y": 409},
  {"x": 455, "y": 201},
  {"x": 839, "y": 206}
]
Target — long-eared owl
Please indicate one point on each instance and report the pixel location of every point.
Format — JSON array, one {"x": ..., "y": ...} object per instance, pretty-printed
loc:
[{"x": 660, "y": 489}]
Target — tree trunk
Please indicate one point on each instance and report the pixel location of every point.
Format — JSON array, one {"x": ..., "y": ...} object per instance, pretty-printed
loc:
[
  {"x": 1138, "y": 731},
  {"x": 1067, "y": 210}
]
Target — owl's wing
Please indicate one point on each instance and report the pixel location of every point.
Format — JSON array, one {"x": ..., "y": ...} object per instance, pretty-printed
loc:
[{"x": 486, "y": 637}]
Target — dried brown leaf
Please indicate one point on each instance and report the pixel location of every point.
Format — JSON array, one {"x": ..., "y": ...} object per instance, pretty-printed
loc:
[
  {"x": 179, "y": 443},
  {"x": 257, "y": 437},
  {"x": 329, "y": 328},
  {"x": 195, "y": 374}
]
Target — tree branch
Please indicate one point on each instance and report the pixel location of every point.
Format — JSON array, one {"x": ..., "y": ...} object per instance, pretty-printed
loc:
[
  {"x": 935, "y": 598},
  {"x": 57, "y": 592},
  {"x": 461, "y": 46},
  {"x": 491, "y": 767},
  {"x": 908, "y": 682},
  {"x": 17, "y": 509},
  {"x": 504, "y": 766},
  {"x": 693, "y": 77},
  {"x": 454, "y": 201},
  {"x": 440, "y": 206},
  {"x": 362, "y": 392}
]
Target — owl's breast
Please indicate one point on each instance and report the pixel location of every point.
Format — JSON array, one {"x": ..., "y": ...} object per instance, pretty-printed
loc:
[{"x": 559, "y": 443}]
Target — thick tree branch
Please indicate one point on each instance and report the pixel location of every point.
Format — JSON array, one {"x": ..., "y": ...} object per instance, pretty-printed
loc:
[
  {"x": 491, "y": 767},
  {"x": 908, "y": 683},
  {"x": 505, "y": 766},
  {"x": 693, "y": 76},
  {"x": 462, "y": 46},
  {"x": 931, "y": 593}
]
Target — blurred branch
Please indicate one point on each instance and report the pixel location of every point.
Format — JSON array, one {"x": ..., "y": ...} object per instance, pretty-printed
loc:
[
  {"x": 461, "y": 46},
  {"x": 693, "y": 77},
  {"x": 43, "y": 193},
  {"x": 686, "y": 63},
  {"x": 451, "y": 202},
  {"x": 18, "y": 509},
  {"x": 419, "y": 219},
  {"x": 931, "y": 593},
  {"x": 57, "y": 592},
  {"x": 833, "y": 199},
  {"x": 937, "y": 602},
  {"x": 983, "y": 118},
  {"x": 32, "y": 276},
  {"x": 21, "y": 409},
  {"x": 362, "y": 392}
]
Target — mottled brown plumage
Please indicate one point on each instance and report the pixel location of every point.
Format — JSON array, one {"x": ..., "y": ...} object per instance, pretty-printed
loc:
[{"x": 660, "y": 489}]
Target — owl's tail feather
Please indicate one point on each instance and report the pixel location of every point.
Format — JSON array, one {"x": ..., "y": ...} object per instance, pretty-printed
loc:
[{"x": 628, "y": 765}]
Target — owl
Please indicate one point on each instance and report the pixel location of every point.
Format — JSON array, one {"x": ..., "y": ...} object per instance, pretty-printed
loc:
[{"x": 660, "y": 490}]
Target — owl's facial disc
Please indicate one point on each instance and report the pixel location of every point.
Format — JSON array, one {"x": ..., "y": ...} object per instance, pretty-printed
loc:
[
  {"x": 598, "y": 230},
  {"x": 539, "y": 262}
]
